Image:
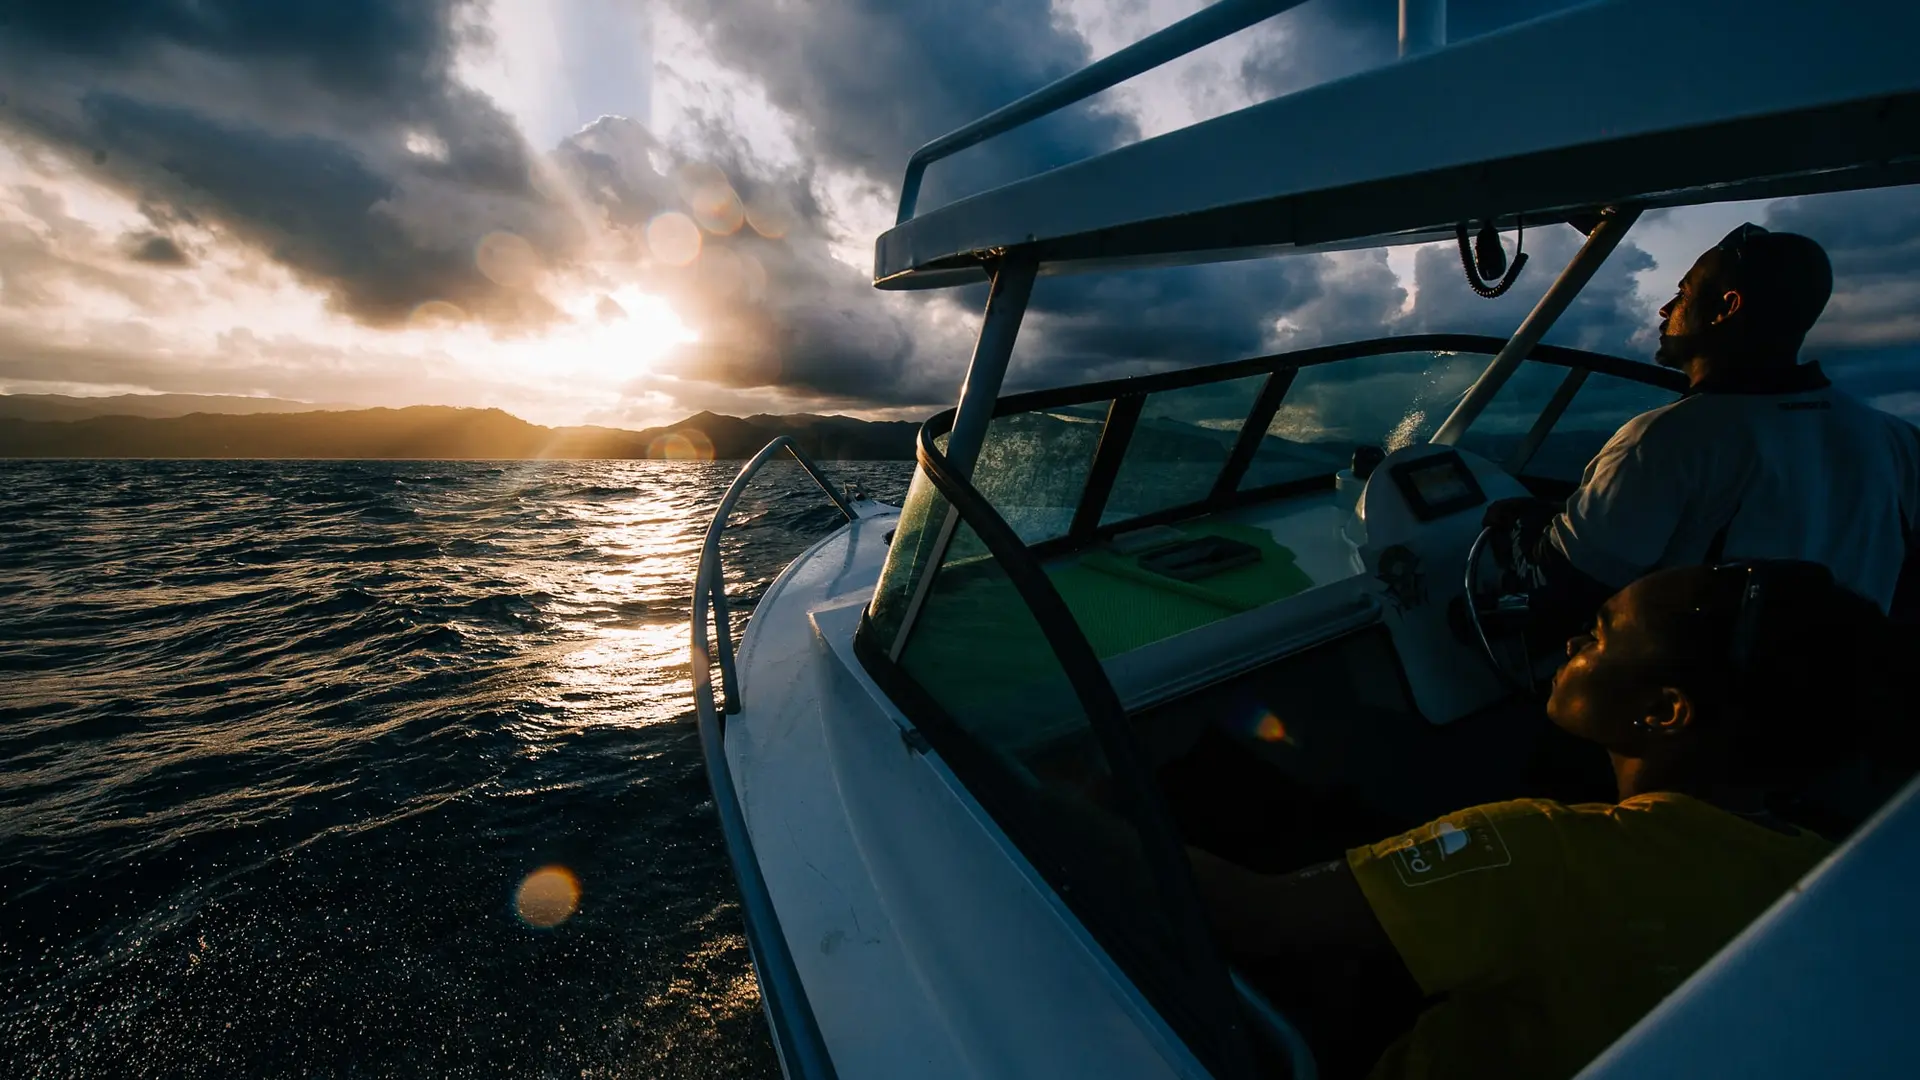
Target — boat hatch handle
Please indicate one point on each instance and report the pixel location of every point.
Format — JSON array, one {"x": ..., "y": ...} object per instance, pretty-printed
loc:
[
  {"x": 796, "y": 1033},
  {"x": 1200, "y": 29},
  {"x": 1600, "y": 243}
]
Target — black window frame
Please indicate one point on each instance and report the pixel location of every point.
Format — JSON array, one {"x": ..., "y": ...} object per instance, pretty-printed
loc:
[
  {"x": 1281, "y": 369},
  {"x": 1199, "y": 1001}
]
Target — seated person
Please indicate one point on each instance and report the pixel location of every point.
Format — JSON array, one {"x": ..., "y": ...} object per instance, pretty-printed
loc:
[
  {"x": 1763, "y": 459},
  {"x": 1539, "y": 932}
]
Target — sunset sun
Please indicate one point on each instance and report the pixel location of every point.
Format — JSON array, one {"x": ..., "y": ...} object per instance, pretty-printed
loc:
[{"x": 615, "y": 332}]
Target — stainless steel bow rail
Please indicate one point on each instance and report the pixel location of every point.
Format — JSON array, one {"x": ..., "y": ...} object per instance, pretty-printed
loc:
[{"x": 796, "y": 1034}]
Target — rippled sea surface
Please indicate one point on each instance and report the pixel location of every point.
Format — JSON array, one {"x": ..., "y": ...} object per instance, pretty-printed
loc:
[{"x": 280, "y": 742}]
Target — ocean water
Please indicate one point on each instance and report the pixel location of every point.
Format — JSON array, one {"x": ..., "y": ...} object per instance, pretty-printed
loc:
[{"x": 289, "y": 752}]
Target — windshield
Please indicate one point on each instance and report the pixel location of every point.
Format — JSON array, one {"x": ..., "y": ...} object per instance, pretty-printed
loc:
[{"x": 1067, "y": 467}]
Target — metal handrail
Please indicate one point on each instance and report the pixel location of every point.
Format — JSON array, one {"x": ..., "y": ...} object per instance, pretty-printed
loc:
[
  {"x": 716, "y": 590},
  {"x": 1193, "y": 32},
  {"x": 796, "y": 1032}
]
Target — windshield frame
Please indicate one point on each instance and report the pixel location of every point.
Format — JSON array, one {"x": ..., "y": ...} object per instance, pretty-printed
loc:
[{"x": 1127, "y": 394}]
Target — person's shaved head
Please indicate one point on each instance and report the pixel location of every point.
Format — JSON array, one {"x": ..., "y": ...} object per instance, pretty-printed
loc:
[
  {"x": 1752, "y": 298},
  {"x": 1780, "y": 669}
]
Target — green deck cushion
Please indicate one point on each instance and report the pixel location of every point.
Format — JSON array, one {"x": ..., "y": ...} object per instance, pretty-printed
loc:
[
  {"x": 1121, "y": 606},
  {"x": 979, "y": 653}
]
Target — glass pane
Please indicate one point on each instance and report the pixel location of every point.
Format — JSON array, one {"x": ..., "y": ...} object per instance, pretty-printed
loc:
[
  {"x": 978, "y": 651},
  {"x": 1603, "y": 404},
  {"x": 1390, "y": 401},
  {"x": 908, "y": 555},
  {"x": 1179, "y": 446},
  {"x": 1033, "y": 466},
  {"x": 1498, "y": 431},
  {"x": 1025, "y": 749}
]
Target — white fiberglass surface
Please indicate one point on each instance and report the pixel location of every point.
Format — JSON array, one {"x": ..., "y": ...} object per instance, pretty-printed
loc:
[
  {"x": 1312, "y": 526},
  {"x": 926, "y": 946}
]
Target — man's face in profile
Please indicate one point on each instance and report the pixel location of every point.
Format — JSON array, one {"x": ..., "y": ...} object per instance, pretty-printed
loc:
[{"x": 1687, "y": 322}]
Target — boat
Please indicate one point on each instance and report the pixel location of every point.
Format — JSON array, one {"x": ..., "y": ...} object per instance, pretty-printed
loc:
[{"x": 1080, "y": 579}]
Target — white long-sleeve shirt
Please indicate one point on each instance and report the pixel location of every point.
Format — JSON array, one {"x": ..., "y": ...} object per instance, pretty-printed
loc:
[{"x": 1812, "y": 474}]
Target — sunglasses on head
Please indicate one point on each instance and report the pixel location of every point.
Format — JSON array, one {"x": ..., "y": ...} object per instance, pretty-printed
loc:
[{"x": 1735, "y": 242}]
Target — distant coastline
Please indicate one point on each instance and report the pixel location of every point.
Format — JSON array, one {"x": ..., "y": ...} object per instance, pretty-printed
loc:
[{"x": 275, "y": 429}]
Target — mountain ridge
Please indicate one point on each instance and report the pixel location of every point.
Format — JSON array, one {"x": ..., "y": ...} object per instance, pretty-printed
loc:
[
  {"x": 153, "y": 406},
  {"x": 442, "y": 432}
]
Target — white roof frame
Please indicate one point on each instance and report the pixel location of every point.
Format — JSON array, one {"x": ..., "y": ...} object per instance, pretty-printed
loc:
[{"x": 1647, "y": 102}]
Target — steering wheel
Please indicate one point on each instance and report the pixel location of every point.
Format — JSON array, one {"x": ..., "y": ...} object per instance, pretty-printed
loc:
[{"x": 1504, "y": 611}]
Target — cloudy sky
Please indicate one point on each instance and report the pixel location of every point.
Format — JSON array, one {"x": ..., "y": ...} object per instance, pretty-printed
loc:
[{"x": 624, "y": 211}]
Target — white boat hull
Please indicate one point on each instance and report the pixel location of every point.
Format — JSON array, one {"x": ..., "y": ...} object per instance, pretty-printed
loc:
[{"x": 927, "y": 945}]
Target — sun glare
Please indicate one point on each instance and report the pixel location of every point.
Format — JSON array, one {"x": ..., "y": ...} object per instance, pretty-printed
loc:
[{"x": 608, "y": 339}]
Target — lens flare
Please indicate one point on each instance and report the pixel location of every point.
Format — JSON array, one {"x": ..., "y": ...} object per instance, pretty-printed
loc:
[
  {"x": 711, "y": 198},
  {"x": 720, "y": 273},
  {"x": 673, "y": 238},
  {"x": 507, "y": 260},
  {"x": 1268, "y": 727},
  {"x": 547, "y": 897},
  {"x": 436, "y": 313},
  {"x": 770, "y": 217},
  {"x": 687, "y": 444},
  {"x": 753, "y": 277}
]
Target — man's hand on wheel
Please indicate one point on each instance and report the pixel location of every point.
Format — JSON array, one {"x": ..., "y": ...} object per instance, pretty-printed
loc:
[
  {"x": 1516, "y": 523},
  {"x": 1504, "y": 515}
]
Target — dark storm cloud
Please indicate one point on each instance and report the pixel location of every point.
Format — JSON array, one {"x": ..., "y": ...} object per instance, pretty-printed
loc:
[
  {"x": 335, "y": 139},
  {"x": 1319, "y": 42},
  {"x": 1115, "y": 324},
  {"x": 1607, "y": 316},
  {"x": 1869, "y": 337},
  {"x": 1873, "y": 239},
  {"x": 871, "y": 80},
  {"x": 155, "y": 249},
  {"x": 923, "y": 69},
  {"x": 286, "y": 125},
  {"x": 773, "y": 307},
  {"x": 918, "y": 71},
  {"x": 361, "y": 46},
  {"x": 46, "y": 252},
  {"x": 1331, "y": 39}
]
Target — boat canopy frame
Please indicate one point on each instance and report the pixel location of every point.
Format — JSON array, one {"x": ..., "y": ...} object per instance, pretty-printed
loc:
[
  {"x": 1791, "y": 99},
  {"x": 1765, "y": 99}
]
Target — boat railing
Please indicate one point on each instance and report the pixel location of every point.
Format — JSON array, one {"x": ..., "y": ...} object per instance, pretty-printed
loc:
[
  {"x": 1196, "y": 31},
  {"x": 796, "y": 1032}
]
